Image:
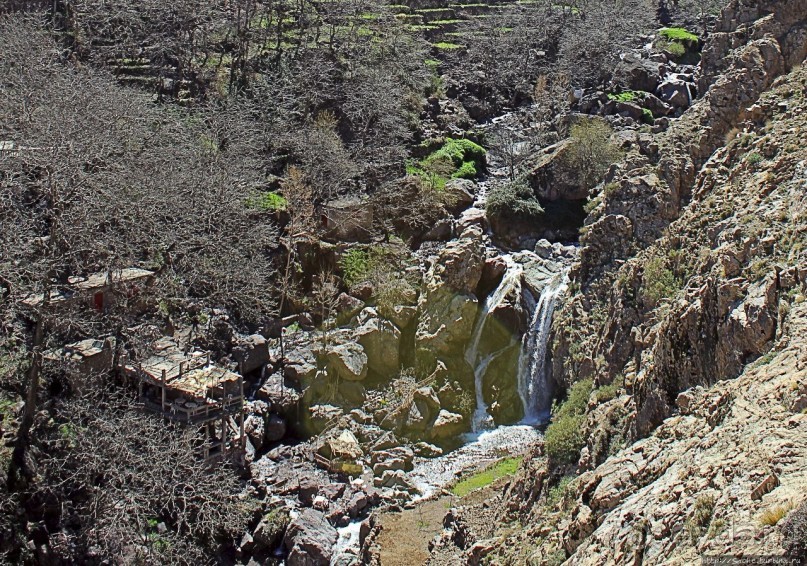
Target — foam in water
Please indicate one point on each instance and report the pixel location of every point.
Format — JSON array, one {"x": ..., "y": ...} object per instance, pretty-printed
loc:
[
  {"x": 534, "y": 386},
  {"x": 432, "y": 474}
]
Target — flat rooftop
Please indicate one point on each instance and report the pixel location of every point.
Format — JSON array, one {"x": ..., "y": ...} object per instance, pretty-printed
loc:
[{"x": 90, "y": 283}]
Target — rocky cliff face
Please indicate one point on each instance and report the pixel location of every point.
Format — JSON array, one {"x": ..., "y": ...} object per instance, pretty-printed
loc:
[
  {"x": 689, "y": 303},
  {"x": 681, "y": 261}
]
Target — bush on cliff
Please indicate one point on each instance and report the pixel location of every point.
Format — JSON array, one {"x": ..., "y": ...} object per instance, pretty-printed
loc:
[
  {"x": 514, "y": 200},
  {"x": 563, "y": 440}
]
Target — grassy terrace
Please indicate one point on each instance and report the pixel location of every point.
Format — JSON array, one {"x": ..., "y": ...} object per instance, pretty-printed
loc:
[{"x": 502, "y": 468}]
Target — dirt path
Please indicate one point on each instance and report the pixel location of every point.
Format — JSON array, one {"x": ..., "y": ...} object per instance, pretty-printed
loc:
[{"x": 404, "y": 541}]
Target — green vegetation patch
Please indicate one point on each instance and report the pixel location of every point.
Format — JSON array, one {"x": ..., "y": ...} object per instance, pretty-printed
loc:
[
  {"x": 562, "y": 439},
  {"x": 355, "y": 266},
  {"x": 678, "y": 34},
  {"x": 268, "y": 201},
  {"x": 447, "y": 45},
  {"x": 500, "y": 469},
  {"x": 455, "y": 159},
  {"x": 385, "y": 268},
  {"x": 626, "y": 96}
]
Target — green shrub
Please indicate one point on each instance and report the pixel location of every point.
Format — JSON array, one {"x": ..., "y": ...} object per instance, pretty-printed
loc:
[
  {"x": 446, "y": 45},
  {"x": 558, "y": 491},
  {"x": 606, "y": 392},
  {"x": 591, "y": 204},
  {"x": 456, "y": 158},
  {"x": 658, "y": 281},
  {"x": 590, "y": 152},
  {"x": 354, "y": 265},
  {"x": 676, "y": 40},
  {"x": 772, "y": 515},
  {"x": 562, "y": 440},
  {"x": 514, "y": 200},
  {"x": 674, "y": 48},
  {"x": 753, "y": 159},
  {"x": 384, "y": 267},
  {"x": 458, "y": 151},
  {"x": 647, "y": 117},
  {"x": 466, "y": 171},
  {"x": 701, "y": 517}
]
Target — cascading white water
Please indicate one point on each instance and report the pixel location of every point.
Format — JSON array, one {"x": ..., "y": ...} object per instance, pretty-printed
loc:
[
  {"x": 534, "y": 387},
  {"x": 481, "y": 418}
]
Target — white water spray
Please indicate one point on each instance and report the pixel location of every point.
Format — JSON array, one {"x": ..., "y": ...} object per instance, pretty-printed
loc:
[
  {"x": 534, "y": 386},
  {"x": 512, "y": 275}
]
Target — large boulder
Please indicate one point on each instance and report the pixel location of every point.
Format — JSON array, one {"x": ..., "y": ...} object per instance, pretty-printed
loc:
[
  {"x": 269, "y": 532},
  {"x": 447, "y": 426},
  {"x": 318, "y": 417},
  {"x": 428, "y": 403},
  {"x": 300, "y": 362},
  {"x": 402, "y": 315},
  {"x": 460, "y": 194},
  {"x": 274, "y": 428},
  {"x": 459, "y": 266},
  {"x": 347, "y": 361},
  {"x": 635, "y": 73},
  {"x": 310, "y": 540},
  {"x": 251, "y": 353},
  {"x": 255, "y": 431},
  {"x": 347, "y": 307},
  {"x": 442, "y": 231},
  {"x": 552, "y": 179},
  {"x": 279, "y": 398},
  {"x": 352, "y": 393},
  {"x": 381, "y": 341},
  {"x": 676, "y": 92},
  {"x": 398, "y": 458}
]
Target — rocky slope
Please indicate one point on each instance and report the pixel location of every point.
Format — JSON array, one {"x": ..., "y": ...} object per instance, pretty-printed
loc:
[{"x": 689, "y": 303}]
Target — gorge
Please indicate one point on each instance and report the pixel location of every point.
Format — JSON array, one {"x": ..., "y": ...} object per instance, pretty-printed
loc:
[{"x": 366, "y": 283}]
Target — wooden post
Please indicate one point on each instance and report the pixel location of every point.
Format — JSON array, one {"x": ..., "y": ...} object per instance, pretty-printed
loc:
[
  {"x": 205, "y": 449},
  {"x": 242, "y": 439},
  {"x": 163, "y": 390},
  {"x": 223, "y": 433}
]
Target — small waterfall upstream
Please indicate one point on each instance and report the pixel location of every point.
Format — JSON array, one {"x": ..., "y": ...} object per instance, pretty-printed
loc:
[
  {"x": 534, "y": 386},
  {"x": 512, "y": 274}
]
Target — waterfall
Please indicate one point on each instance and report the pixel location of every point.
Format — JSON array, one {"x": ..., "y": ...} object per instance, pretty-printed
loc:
[
  {"x": 534, "y": 386},
  {"x": 511, "y": 278}
]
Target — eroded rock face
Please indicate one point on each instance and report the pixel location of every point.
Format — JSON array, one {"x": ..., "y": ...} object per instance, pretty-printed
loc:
[
  {"x": 683, "y": 193},
  {"x": 728, "y": 441},
  {"x": 381, "y": 342},
  {"x": 310, "y": 539},
  {"x": 448, "y": 305}
]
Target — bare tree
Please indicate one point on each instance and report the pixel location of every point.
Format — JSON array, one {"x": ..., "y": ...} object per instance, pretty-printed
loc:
[
  {"x": 597, "y": 32},
  {"x": 132, "y": 486},
  {"x": 97, "y": 180}
]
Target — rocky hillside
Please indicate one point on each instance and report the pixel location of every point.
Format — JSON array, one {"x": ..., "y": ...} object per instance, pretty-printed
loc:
[{"x": 688, "y": 317}]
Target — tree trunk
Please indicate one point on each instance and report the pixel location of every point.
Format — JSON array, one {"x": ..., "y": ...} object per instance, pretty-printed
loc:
[{"x": 18, "y": 468}]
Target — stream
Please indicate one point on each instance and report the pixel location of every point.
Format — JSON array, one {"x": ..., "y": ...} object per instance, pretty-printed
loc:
[{"x": 487, "y": 443}]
